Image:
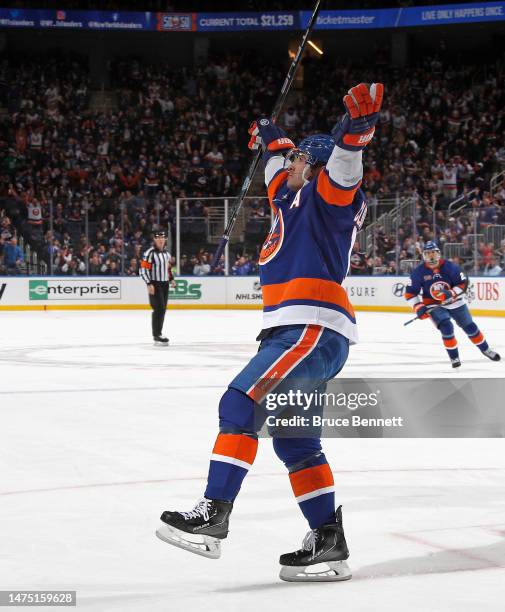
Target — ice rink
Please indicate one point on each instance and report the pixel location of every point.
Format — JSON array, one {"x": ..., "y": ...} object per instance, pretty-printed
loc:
[{"x": 101, "y": 431}]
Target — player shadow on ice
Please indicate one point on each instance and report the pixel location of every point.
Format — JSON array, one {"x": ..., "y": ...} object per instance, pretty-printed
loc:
[{"x": 441, "y": 562}]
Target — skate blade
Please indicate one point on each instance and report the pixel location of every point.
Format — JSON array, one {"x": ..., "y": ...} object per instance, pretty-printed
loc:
[
  {"x": 329, "y": 571},
  {"x": 207, "y": 547},
  {"x": 160, "y": 344}
]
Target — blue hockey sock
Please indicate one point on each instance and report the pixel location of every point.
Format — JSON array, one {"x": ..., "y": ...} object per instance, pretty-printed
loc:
[
  {"x": 235, "y": 448},
  {"x": 453, "y": 353},
  {"x": 449, "y": 339},
  {"x": 476, "y": 336}
]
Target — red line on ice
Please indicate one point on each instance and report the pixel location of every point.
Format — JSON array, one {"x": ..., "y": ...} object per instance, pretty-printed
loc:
[{"x": 166, "y": 480}]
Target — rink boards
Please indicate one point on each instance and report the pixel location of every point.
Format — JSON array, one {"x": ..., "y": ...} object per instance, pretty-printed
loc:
[{"x": 486, "y": 295}]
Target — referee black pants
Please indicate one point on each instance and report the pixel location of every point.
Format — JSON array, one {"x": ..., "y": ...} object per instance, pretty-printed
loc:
[{"x": 158, "y": 303}]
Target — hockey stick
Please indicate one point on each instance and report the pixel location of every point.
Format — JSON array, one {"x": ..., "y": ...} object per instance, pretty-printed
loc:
[
  {"x": 444, "y": 303},
  {"x": 255, "y": 161}
]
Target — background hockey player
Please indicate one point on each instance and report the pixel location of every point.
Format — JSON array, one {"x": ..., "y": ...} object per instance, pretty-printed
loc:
[
  {"x": 442, "y": 286},
  {"x": 308, "y": 325}
]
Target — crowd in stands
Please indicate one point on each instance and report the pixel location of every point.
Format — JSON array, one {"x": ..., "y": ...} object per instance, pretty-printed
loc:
[
  {"x": 463, "y": 236},
  {"x": 180, "y": 133},
  {"x": 174, "y": 133}
]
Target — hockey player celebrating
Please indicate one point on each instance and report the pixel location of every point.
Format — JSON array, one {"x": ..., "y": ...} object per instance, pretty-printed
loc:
[
  {"x": 308, "y": 325},
  {"x": 442, "y": 286}
]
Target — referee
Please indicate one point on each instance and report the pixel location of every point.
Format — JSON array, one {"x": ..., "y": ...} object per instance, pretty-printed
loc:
[{"x": 155, "y": 271}]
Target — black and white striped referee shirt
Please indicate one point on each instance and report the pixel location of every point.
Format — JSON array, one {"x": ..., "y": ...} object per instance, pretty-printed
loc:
[{"x": 155, "y": 266}]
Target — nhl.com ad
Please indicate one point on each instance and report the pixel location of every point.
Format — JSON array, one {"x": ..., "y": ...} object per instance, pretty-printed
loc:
[{"x": 252, "y": 306}]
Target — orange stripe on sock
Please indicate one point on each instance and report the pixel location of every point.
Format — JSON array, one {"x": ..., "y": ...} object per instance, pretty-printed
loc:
[
  {"x": 450, "y": 343},
  {"x": 311, "y": 479},
  {"x": 238, "y": 446},
  {"x": 478, "y": 338}
]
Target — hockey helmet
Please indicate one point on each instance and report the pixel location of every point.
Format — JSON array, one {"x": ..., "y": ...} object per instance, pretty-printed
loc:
[
  {"x": 316, "y": 149},
  {"x": 431, "y": 252}
]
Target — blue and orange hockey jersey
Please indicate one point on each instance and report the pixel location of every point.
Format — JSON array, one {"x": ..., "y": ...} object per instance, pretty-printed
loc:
[
  {"x": 429, "y": 281},
  {"x": 305, "y": 256}
]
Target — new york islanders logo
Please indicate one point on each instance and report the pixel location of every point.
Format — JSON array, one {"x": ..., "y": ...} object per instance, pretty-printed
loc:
[
  {"x": 273, "y": 241},
  {"x": 437, "y": 287}
]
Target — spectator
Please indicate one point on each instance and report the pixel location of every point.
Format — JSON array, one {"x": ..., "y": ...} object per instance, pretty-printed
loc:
[
  {"x": 492, "y": 268},
  {"x": 358, "y": 261},
  {"x": 290, "y": 119},
  {"x": 450, "y": 181},
  {"x": 243, "y": 266},
  {"x": 13, "y": 257},
  {"x": 201, "y": 266},
  {"x": 95, "y": 264}
]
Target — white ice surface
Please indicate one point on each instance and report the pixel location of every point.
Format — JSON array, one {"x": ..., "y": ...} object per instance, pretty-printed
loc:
[{"x": 100, "y": 431}]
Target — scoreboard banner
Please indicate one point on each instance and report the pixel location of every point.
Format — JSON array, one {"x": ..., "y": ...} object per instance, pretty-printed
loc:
[
  {"x": 252, "y": 21},
  {"x": 80, "y": 20},
  {"x": 233, "y": 22},
  {"x": 485, "y": 295},
  {"x": 445, "y": 14}
]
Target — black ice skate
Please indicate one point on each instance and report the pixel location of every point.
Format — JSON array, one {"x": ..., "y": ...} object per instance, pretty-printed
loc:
[
  {"x": 490, "y": 354},
  {"x": 199, "y": 530},
  {"x": 322, "y": 556},
  {"x": 160, "y": 341},
  {"x": 456, "y": 363}
]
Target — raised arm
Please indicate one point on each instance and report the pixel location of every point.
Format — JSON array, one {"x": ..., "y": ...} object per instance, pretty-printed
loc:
[
  {"x": 339, "y": 180},
  {"x": 275, "y": 145}
]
